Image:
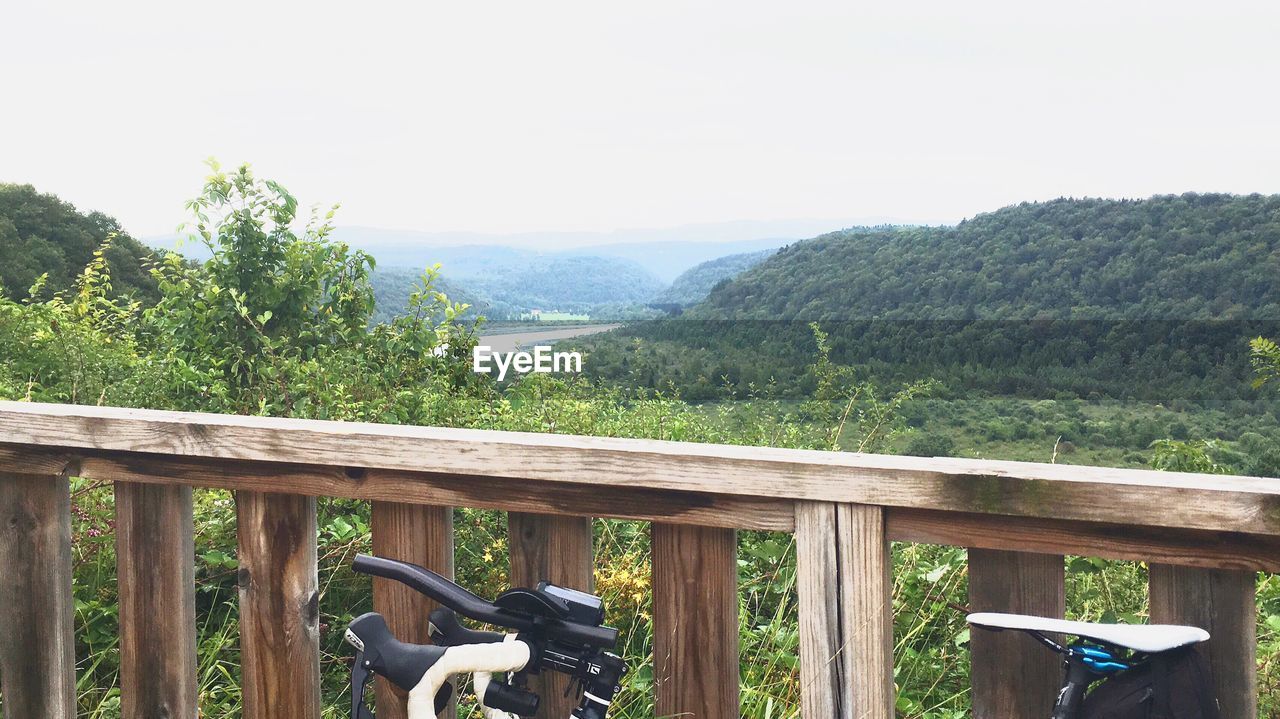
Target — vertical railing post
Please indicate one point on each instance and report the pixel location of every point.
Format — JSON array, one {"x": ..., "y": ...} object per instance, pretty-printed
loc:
[
  {"x": 155, "y": 559},
  {"x": 555, "y": 549},
  {"x": 37, "y": 643},
  {"x": 695, "y": 621},
  {"x": 1223, "y": 603},
  {"x": 844, "y": 581},
  {"x": 421, "y": 534},
  {"x": 1012, "y": 674},
  {"x": 279, "y": 605}
]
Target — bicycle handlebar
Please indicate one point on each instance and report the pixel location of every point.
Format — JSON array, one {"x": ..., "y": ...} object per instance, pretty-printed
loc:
[
  {"x": 559, "y": 629},
  {"x": 553, "y": 623},
  {"x": 429, "y": 583}
]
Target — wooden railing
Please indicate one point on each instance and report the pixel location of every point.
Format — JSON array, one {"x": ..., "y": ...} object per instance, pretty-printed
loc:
[{"x": 1205, "y": 537}]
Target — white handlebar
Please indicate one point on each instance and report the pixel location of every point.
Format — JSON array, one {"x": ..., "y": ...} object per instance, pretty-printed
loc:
[{"x": 510, "y": 655}]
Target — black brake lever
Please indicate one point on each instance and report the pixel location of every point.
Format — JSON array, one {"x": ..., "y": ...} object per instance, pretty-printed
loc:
[{"x": 360, "y": 676}]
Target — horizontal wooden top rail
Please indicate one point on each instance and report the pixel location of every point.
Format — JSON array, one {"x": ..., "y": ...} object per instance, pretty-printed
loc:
[{"x": 562, "y": 463}]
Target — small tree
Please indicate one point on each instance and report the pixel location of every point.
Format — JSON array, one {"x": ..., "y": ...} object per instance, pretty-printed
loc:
[
  {"x": 930, "y": 445},
  {"x": 277, "y": 321},
  {"x": 1265, "y": 355},
  {"x": 1172, "y": 455}
]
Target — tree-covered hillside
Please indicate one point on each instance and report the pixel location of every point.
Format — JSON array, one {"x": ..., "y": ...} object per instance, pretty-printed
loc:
[
  {"x": 1152, "y": 299},
  {"x": 393, "y": 289},
  {"x": 1173, "y": 257},
  {"x": 694, "y": 284},
  {"x": 576, "y": 284},
  {"x": 40, "y": 233}
]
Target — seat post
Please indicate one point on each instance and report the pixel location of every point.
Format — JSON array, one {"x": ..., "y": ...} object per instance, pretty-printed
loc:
[{"x": 1071, "y": 698}]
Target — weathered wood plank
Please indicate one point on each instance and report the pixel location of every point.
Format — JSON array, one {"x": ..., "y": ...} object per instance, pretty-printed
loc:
[
  {"x": 155, "y": 559},
  {"x": 846, "y": 611},
  {"x": 279, "y": 605},
  {"x": 37, "y": 644},
  {"x": 1221, "y": 602},
  {"x": 866, "y": 609},
  {"x": 421, "y": 534},
  {"x": 1129, "y": 542},
  {"x": 556, "y": 549},
  {"x": 1012, "y": 675},
  {"x": 558, "y": 498},
  {"x": 695, "y": 621},
  {"x": 823, "y": 674},
  {"x": 1171, "y": 499}
]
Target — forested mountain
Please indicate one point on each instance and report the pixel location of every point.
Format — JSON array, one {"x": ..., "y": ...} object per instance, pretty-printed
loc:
[
  {"x": 40, "y": 233},
  {"x": 392, "y": 287},
  {"x": 590, "y": 285},
  {"x": 1173, "y": 257},
  {"x": 1151, "y": 299},
  {"x": 577, "y": 284},
  {"x": 694, "y": 284}
]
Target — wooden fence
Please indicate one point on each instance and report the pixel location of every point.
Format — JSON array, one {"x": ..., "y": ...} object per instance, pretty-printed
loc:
[{"x": 1205, "y": 536}]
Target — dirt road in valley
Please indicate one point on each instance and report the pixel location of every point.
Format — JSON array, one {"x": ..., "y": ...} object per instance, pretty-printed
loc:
[{"x": 512, "y": 341}]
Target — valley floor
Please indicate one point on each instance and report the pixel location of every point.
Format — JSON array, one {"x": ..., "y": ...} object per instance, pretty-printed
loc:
[{"x": 1242, "y": 436}]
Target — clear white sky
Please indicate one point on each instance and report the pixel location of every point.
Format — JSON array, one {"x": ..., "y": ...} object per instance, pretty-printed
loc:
[{"x": 502, "y": 116}]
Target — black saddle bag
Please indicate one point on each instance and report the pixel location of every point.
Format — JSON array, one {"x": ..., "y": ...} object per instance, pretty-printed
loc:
[{"x": 1169, "y": 685}]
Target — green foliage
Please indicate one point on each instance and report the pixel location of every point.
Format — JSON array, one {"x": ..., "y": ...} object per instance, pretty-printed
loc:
[
  {"x": 840, "y": 401},
  {"x": 930, "y": 445},
  {"x": 393, "y": 287},
  {"x": 76, "y": 347},
  {"x": 1176, "y": 456},
  {"x": 1265, "y": 356},
  {"x": 42, "y": 235}
]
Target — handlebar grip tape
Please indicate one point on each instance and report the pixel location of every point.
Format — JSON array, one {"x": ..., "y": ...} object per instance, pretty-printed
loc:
[{"x": 507, "y": 656}]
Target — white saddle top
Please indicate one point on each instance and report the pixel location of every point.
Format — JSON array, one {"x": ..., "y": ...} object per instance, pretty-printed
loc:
[{"x": 1148, "y": 638}]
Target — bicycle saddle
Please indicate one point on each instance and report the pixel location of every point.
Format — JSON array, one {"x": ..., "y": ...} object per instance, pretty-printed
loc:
[{"x": 1146, "y": 638}]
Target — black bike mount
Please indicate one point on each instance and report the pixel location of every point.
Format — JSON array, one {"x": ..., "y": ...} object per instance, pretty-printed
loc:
[
  {"x": 562, "y": 627},
  {"x": 1085, "y": 664}
]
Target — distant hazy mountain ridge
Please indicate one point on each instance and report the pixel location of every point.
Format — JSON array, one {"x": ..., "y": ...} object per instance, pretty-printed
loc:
[
  {"x": 568, "y": 283},
  {"x": 665, "y": 252},
  {"x": 506, "y": 276},
  {"x": 694, "y": 284}
]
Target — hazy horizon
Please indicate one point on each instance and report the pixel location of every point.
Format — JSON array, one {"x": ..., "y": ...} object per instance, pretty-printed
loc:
[
  {"x": 577, "y": 116},
  {"x": 725, "y": 232}
]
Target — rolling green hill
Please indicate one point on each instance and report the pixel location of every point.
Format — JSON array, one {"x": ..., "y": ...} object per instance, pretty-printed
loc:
[
  {"x": 1071, "y": 298},
  {"x": 392, "y": 287},
  {"x": 572, "y": 284},
  {"x": 40, "y": 233},
  {"x": 694, "y": 284},
  {"x": 1172, "y": 257}
]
